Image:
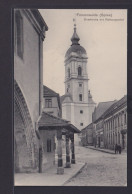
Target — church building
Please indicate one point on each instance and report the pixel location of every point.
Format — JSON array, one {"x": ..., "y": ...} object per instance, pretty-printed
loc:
[{"x": 77, "y": 103}]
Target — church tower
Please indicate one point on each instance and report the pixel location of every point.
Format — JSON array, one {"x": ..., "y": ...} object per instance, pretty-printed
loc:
[{"x": 77, "y": 103}]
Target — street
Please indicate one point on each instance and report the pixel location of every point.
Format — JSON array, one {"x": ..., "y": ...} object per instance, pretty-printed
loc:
[{"x": 101, "y": 169}]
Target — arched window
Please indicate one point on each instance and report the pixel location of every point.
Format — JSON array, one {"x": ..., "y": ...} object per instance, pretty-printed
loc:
[
  {"x": 79, "y": 71},
  {"x": 68, "y": 72},
  {"x": 19, "y": 34}
]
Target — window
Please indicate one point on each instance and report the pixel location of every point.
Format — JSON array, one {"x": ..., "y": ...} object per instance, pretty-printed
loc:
[
  {"x": 125, "y": 118},
  {"x": 79, "y": 71},
  {"x": 48, "y": 145},
  {"x": 80, "y": 97},
  {"x": 81, "y": 111},
  {"x": 19, "y": 34},
  {"x": 68, "y": 72},
  {"x": 48, "y": 103},
  {"x": 81, "y": 124},
  {"x": 80, "y": 85}
]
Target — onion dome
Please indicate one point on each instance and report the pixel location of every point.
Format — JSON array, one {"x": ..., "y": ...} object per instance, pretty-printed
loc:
[{"x": 75, "y": 46}]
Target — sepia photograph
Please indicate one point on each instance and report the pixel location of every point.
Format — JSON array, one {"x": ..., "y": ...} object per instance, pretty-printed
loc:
[{"x": 70, "y": 97}]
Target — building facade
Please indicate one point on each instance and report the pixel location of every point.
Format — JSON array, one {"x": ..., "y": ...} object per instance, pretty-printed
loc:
[
  {"x": 87, "y": 135},
  {"x": 94, "y": 131},
  {"x": 29, "y": 34},
  {"x": 34, "y": 129},
  {"x": 115, "y": 124},
  {"x": 98, "y": 122},
  {"x": 51, "y": 101},
  {"x": 77, "y": 103},
  {"x": 109, "y": 126}
]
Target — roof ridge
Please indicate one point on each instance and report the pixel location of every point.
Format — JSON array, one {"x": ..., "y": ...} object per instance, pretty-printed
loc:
[
  {"x": 107, "y": 101},
  {"x": 115, "y": 104}
]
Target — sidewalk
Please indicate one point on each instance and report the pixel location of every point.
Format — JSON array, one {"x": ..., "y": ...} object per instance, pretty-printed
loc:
[
  {"x": 101, "y": 149},
  {"x": 48, "y": 178}
]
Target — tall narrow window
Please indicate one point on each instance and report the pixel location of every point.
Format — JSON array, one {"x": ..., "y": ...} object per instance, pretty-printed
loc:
[
  {"x": 118, "y": 121},
  {"x": 19, "y": 34},
  {"x": 48, "y": 103},
  {"x": 48, "y": 145},
  {"x": 80, "y": 97},
  {"x": 79, "y": 71},
  {"x": 125, "y": 118},
  {"x": 68, "y": 86},
  {"x": 68, "y": 72}
]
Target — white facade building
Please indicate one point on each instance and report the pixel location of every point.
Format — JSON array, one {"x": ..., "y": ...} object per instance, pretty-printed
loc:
[{"x": 77, "y": 103}]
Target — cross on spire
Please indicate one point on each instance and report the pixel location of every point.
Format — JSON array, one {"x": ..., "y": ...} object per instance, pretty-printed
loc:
[
  {"x": 74, "y": 21},
  {"x": 75, "y": 37}
]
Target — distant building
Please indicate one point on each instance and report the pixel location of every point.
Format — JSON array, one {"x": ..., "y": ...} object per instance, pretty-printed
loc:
[
  {"x": 87, "y": 135},
  {"x": 92, "y": 134},
  {"x": 109, "y": 126},
  {"x": 77, "y": 103},
  {"x": 98, "y": 131},
  {"x": 51, "y": 102}
]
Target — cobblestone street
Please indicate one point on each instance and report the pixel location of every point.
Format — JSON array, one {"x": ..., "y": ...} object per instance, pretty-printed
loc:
[{"x": 101, "y": 169}]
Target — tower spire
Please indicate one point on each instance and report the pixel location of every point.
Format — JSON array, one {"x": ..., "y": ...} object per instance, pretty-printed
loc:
[{"x": 75, "y": 38}]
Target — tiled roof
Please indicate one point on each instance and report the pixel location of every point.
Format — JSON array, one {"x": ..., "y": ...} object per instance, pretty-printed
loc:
[
  {"x": 101, "y": 108},
  {"x": 115, "y": 106},
  {"x": 88, "y": 127},
  {"x": 49, "y": 121},
  {"x": 47, "y": 92}
]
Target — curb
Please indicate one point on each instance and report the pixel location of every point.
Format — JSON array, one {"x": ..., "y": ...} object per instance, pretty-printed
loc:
[
  {"x": 105, "y": 151},
  {"x": 72, "y": 176}
]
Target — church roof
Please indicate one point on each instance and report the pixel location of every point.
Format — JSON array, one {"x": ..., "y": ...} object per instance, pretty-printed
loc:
[
  {"x": 101, "y": 108},
  {"x": 75, "y": 47},
  {"x": 66, "y": 98},
  {"x": 75, "y": 38}
]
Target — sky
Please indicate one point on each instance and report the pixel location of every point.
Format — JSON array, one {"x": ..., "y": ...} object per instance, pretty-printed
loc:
[{"x": 103, "y": 34}]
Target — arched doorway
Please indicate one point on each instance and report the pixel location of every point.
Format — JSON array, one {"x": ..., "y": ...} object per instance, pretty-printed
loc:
[{"x": 25, "y": 147}]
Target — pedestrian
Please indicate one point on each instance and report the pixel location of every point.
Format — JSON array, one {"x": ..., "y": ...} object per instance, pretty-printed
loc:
[
  {"x": 116, "y": 148},
  {"x": 119, "y": 148}
]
